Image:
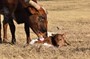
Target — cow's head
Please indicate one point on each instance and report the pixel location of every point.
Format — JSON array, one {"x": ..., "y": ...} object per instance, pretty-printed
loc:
[{"x": 38, "y": 23}]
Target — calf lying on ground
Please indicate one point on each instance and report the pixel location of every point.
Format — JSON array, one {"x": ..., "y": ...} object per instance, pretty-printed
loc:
[{"x": 56, "y": 40}]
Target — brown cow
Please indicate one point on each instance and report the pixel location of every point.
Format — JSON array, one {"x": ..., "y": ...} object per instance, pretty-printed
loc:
[{"x": 37, "y": 22}]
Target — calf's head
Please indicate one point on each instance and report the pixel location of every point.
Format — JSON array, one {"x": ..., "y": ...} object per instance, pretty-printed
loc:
[{"x": 58, "y": 40}]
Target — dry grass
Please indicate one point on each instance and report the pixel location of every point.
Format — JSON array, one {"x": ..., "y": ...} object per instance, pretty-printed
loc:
[{"x": 72, "y": 17}]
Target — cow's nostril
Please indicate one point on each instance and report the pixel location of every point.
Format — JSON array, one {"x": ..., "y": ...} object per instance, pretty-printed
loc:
[{"x": 41, "y": 39}]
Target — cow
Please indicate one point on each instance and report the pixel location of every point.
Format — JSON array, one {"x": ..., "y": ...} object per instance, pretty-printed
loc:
[{"x": 37, "y": 21}]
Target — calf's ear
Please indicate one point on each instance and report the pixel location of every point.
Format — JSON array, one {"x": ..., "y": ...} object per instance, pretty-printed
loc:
[
  {"x": 53, "y": 34},
  {"x": 62, "y": 34}
]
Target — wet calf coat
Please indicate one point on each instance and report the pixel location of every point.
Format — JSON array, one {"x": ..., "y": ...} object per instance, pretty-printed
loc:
[{"x": 56, "y": 40}]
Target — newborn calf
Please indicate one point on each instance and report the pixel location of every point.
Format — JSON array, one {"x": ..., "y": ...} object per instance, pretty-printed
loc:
[{"x": 56, "y": 40}]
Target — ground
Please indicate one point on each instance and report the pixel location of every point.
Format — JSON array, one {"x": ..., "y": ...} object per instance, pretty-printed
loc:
[{"x": 73, "y": 19}]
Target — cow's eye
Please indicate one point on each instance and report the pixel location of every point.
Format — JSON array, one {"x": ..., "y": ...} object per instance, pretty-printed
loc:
[
  {"x": 41, "y": 19},
  {"x": 59, "y": 39}
]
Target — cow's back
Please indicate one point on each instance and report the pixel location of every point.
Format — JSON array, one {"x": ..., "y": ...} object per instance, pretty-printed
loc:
[
  {"x": 8, "y": 5},
  {"x": 1, "y": 4},
  {"x": 20, "y": 14}
]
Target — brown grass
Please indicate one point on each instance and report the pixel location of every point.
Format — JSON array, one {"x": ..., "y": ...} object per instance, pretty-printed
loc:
[{"x": 72, "y": 17}]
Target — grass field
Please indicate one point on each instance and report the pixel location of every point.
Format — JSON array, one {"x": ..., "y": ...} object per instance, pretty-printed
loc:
[{"x": 72, "y": 17}]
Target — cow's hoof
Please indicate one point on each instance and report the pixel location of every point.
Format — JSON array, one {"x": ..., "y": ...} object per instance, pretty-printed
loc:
[
  {"x": 13, "y": 41},
  {"x": 26, "y": 45},
  {"x": 5, "y": 41}
]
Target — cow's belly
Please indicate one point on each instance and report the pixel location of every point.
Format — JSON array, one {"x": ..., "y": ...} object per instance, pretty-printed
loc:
[
  {"x": 19, "y": 19},
  {"x": 27, "y": 1},
  {"x": 20, "y": 16}
]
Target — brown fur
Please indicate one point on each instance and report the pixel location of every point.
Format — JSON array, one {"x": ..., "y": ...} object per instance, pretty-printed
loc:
[
  {"x": 37, "y": 21},
  {"x": 11, "y": 6},
  {"x": 55, "y": 40}
]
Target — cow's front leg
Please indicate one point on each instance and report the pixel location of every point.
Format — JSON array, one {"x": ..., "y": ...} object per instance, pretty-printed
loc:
[
  {"x": 12, "y": 29},
  {"x": 0, "y": 30},
  {"x": 27, "y": 31}
]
